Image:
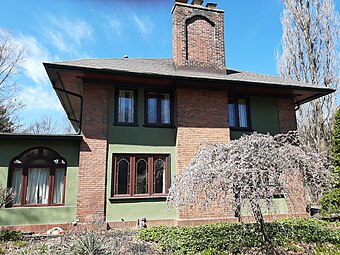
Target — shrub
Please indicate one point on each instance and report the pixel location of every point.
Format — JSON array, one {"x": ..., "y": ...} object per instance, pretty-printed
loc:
[
  {"x": 10, "y": 235},
  {"x": 89, "y": 243},
  {"x": 330, "y": 202},
  {"x": 235, "y": 237}
]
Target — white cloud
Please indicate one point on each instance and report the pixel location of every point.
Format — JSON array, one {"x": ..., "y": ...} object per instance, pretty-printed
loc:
[
  {"x": 68, "y": 35},
  {"x": 144, "y": 24},
  {"x": 116, "y": 25},
  {"x": 39, "y": 97},
  {"x": 34, "y": 55}
]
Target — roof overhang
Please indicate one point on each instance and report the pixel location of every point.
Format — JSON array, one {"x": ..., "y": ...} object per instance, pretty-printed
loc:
[{"x": 68, "y": 83}]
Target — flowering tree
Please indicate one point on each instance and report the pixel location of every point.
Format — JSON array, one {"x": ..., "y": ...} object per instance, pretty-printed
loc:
[{"x": 250, "y": 170}]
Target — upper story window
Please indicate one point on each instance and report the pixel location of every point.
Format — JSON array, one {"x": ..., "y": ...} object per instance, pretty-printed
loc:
[
  {"x": 38, "y": 178},
  {"x": 126, "y": 107},
  {"x": 158, "y": 108},
  {"x": 239, "y": 114},
  {"x": 140, "y": 175}
]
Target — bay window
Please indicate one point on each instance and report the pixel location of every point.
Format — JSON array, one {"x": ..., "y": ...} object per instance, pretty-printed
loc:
[
  {"x": 140, "y": 175},
  {"x": 38, "y": 178}
]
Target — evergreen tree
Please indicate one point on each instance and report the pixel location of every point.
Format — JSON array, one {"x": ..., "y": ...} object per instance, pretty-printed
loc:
[
  {"x": 336, "y": 147},
  {"x": 330, "y": 202},
  {"x": 6, "y": 124}
]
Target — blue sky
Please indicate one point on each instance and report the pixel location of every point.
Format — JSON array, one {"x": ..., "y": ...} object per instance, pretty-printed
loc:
[{"x": 73, "y": 29}]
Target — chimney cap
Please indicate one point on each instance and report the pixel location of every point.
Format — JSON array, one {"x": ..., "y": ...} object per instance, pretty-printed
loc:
[
  {"x": 211, "y": 5},
  {"x": 197, "y": 2},
  {"x": 126, "y": 56}
]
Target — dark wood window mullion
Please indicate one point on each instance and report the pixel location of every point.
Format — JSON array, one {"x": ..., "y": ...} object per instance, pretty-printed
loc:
[
  {"x": 114, "y": 177},
  {"x": 64, "y": 192},
  {"x": 149, "y": 176},
  {"x": 132, "y": 186},
  {"x": 237, "y": 117},
  {"x": 172, "y": 109},
  {"x": 25, "y": 176},
  {"x": 22, "y": 190},
  {"x": 51, "y": 180},
  {"x": 152, "y": 178},
  {"x": 146, "y": 107},
  {"x": 249, "y": 122},
  {"x": 159, "y": 109},
  {"x": 166, "y": 175}
]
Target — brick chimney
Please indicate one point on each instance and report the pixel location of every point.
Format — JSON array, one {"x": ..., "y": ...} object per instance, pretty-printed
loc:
[{"x": 198, "y": 36}]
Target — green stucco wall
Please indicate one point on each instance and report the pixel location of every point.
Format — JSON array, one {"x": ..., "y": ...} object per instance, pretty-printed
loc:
[
  {"x": 264, "y": 119},
  {"x": 69, "y": 149},
  {"x": 279, "y": 206},
  {"x": 138, "y": 140},
  {"x": 264, "y": 116}
]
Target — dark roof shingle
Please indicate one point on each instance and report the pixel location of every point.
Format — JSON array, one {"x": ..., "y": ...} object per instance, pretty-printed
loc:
[{"x": 166, "y": 67}]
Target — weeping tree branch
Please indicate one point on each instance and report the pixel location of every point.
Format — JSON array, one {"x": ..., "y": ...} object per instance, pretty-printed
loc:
[{"x": 250, "y": 170}]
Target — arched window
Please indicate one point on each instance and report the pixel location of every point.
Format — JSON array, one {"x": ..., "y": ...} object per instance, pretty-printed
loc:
[{"x": 38, "y": 178}]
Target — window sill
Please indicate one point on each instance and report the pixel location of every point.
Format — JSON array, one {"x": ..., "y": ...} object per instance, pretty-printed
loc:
[
  {"x": 126, "y": 124},
  {"x": 136, "y": 199},
  {"x": 241, "y": 129},
  {"x": 159, "y": 126},
  {"x": 35, "y": 206}
]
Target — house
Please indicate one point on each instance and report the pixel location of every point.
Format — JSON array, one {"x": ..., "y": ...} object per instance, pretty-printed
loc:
[{"x": 139, "y": 122}]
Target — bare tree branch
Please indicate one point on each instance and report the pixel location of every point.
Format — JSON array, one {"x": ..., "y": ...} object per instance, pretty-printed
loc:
[
  {"x": 11, "y": 56},
  {"x": 48, "y": 125},
  {"x": 311, "y": 33}
]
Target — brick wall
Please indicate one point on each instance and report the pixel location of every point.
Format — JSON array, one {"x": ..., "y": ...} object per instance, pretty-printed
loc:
[
  {"x": 93, "y": 154},
  {"x": 296, "y": 200},
  {"x": 202, "y": 116},
  {"x": 286, "y": 113},
  {"x": 198, "y": 37}
]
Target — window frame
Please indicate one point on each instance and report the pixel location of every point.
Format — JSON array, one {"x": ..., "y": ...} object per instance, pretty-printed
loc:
[
  {"x": 133, "y": 175},
  {"x": 237, "y": 117},
  {"x": 159, "y": 108},
  {"x": 135, "y": 108},
  {"x": 24, "y": 176}
]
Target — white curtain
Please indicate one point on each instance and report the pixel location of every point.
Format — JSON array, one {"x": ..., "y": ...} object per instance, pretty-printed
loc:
[
  {"x": 37, "y": 188},
  {"x": 126, "y": 106},
  {"x": 58, "y": 186},
  {"x": 152, "y": 110},
  {"x": 165, "y": 105},
  {"x": 232, "y": 120},
  {"x": 16, "y": 184},
  {"x": 242, "y": 111}
]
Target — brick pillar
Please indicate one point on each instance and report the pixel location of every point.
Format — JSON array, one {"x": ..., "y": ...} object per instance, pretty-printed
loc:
[
  {"x": 296, "y": 200},
  {"x": 93, "y": 154},
  {"x": 202, "y": 116},
  {"x": 286, "y": 113}
]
